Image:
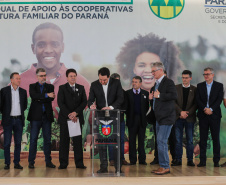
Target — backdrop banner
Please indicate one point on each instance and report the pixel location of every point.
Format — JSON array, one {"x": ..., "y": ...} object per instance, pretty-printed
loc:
[{"x": 126, "y": 36}]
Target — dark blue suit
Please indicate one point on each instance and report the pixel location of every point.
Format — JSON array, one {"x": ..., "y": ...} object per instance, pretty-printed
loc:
[{"x": 211, "y": 122}]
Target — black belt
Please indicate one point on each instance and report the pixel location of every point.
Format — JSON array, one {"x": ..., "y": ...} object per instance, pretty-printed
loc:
[{"x": 15, "y": 117}]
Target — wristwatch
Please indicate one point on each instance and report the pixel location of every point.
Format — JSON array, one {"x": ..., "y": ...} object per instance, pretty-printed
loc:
[{"x": 159, "y": 96}]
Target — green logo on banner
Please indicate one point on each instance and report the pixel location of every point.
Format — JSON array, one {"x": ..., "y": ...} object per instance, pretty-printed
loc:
[{"x": 166, "y": 9}]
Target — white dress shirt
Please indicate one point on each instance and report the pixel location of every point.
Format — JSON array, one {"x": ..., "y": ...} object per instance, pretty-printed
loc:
[
  {"x": 105, "y": 88},
  {"x": 15, "y": 109}
]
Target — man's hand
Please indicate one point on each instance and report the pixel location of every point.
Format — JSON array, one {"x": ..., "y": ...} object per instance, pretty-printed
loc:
[
  {"x": 51, "y": 95},
  {"x": 156, "y": 94},
  {"x": 106, "y": 108},
  {"x": 151, "y": 95},
  {"x": 72, "y": 116},
  {"x": 208, "y": 111},
  {"x": 93, "y": 106},
  {"x": 184, "y": 114}
]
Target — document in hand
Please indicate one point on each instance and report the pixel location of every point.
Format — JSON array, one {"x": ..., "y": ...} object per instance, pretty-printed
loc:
[{"x": 74, "y": 128}]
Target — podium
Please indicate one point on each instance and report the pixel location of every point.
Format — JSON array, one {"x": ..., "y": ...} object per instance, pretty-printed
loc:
[{"x": 105, "y": 136}]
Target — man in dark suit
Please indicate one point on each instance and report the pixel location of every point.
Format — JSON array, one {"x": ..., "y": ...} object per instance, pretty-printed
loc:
[
  {"x": 41, "y": 116},
  {"x": 13, "y": 105},
  {"x": 105, "y": 94},
  {"x": 186, "y": 116},
  {"x": 209, "y": 97},
  {"x": 72, "y": 100},
  {"x": 163, "y": 96},
  {"x": 137, "y": 107}
]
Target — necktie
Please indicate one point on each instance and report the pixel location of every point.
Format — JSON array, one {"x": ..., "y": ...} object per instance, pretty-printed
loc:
[
  {"x": 73, "y": 88},
  {"x": 136, "y": 92},
  {"x": 156, "y": 87}
]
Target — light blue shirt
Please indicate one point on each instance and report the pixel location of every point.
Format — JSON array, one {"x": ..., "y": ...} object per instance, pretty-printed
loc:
[
  {"x": 208, "y": 87},
  {"x": 138, "y": 91}
]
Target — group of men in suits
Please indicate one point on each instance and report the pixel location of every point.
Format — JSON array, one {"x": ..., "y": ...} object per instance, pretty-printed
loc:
[
  {"x": 72, "y": 101},
  {"x": 170, "y": 105},
  {"x": 176, "y": 106}
]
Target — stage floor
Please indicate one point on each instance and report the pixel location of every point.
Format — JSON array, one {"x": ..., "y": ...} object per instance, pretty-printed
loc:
[{"x": 179, "y": 175}]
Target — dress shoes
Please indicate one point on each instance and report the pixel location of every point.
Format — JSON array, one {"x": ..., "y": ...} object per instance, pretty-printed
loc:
[
  {"x": 223, "y": 165},
  {"x": 201, "y": 164},
  {"x": 112, "y": 163},
  {"x": 7, "y": 167},
  {"x": 216, "y": 164},
  {"x": 155, "y": 161},
  {"x": 176, "y": 163},
  {"x": 143, "y": 163},
  {"x": 162, "y": 171},
  {"x": 62, "y": 167},
  {"x": 18, "y": 166},
  {"x": 153, "y": 171},
  {"x": 102, "y": 171},
  {"x": 81, "y": 166},
  {"x": 190, "y": 163},
  {"x": 124, "y": 162},
  {"x": 50, "y": 165},
  {"x": 31, "y": 166}
]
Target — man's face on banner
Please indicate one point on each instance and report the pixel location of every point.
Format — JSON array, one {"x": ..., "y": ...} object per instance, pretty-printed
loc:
[
  {"x": 48, "y": 46},
  {"x": 142, "y": 68}
]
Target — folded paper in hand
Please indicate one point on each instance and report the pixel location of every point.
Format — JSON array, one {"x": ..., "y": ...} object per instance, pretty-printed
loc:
[{"x": 74, "y": 128}]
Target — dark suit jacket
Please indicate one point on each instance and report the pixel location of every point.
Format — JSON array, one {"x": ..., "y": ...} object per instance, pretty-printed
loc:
[
  {"x": 164, "y": 110},
  {"x": 114, "y": 94},
  {"x": 191, "y": 106},
  {"x": 130, "y": 107},
  {"x": 70, "y": 101},
  {"x": 6, "y": 103},
  {"x": 37, "y": 99},
  {"x": 215, "y": 99}
]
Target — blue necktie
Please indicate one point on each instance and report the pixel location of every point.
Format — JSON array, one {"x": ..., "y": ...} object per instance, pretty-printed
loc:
[{"x": 156, "y": 87}]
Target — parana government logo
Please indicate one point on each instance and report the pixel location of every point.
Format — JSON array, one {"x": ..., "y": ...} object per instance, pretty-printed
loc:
[{"x": 166, "y": 9}]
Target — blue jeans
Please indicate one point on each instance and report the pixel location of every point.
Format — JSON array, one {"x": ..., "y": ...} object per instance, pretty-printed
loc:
[
  {"x": 163, "y": 132},
  {"x": 15, "y": 125},
  {"x": 46, "y": 131},
  {"x": 189, "y": 130},
  {"x": 110, "y": 147}
]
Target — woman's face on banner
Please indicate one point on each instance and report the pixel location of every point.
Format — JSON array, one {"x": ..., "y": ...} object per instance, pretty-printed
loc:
[{"x": 142, "y": 68}]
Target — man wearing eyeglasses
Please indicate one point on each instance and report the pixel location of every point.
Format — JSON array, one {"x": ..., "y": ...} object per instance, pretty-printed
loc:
[
  {"x": 209, "y": 97},
  {"x": 41, "y": 116},
  {"x": 163, "y": 96},
  {"x": 186, "y": 116}
]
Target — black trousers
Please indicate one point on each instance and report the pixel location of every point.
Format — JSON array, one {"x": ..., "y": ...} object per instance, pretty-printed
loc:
[
  {"x": 135, "y": 130},
  {"x": 205, "y": 124},
  {"x": 64, "y": 147},
  {"x": 172, "y": 140}
]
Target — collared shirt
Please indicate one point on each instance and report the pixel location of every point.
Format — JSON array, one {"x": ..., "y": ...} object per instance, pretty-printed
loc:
[
  {"x": 208, "y": 86},
  {"x": 134, "y": 91},
  {"x": 187, "y": 86},
  {"x": 160, "y": 79},
  {"x": 15, "y": 109},
  {"x": 105, "y": 88}
]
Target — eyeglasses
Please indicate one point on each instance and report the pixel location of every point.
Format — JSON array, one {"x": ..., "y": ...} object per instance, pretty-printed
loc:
[
  {"x": 42, "y": 76},
  {"x": 155, "y": 70},
  {"x": 207, "y": 74},
  {"x": 185, "y": 78}
]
